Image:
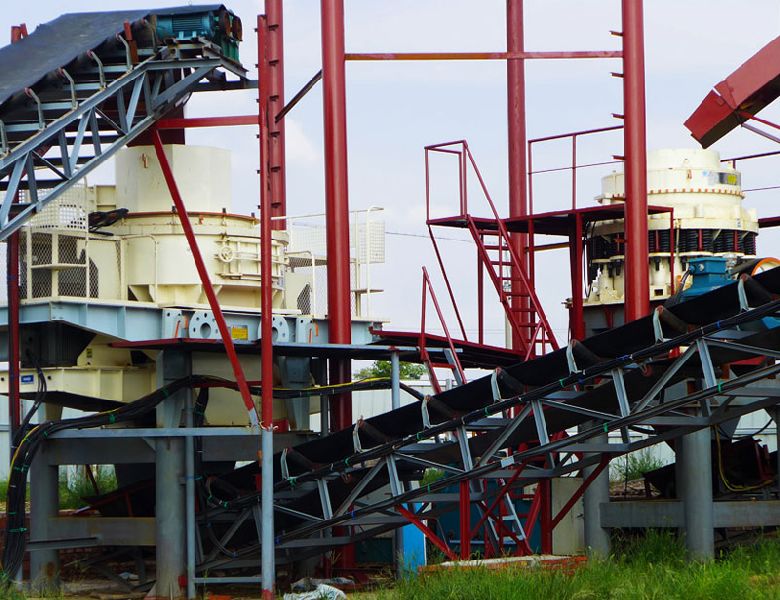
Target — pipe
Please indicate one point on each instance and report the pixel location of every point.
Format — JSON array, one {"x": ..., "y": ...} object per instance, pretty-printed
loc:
[
  {"x": 275, "y": 97},
  {"x": 336, "y": 199},
  {"x": 203, "y": 273},
  {"x": 266, "y": 333},
  {"x": 518, "y": 167},
  {"x": 637, "y": 276}
]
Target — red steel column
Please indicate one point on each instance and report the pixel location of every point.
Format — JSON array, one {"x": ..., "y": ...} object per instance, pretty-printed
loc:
[
  {"x": 518, "y": 165},
  {"x": 576, "y": 320},
  {"x": 334, "y": 100},
  {"x": 275, "y": 98},
  {"x": 264, "y": 77},
  {"x": 637, "y": 286}
]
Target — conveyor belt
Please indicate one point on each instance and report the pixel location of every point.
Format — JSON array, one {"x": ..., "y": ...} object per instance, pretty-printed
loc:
[
  {"x": 719, "y": 304},
  {"x": 470, "y": 434},
  {"x": 84, "y": 85}
]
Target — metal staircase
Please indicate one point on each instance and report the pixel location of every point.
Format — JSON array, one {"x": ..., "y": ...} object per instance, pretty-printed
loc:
[
  {"x": 515, "y": 291},
  {"x": 55, "y": 131},
  {"x": 498, "y": 255}
]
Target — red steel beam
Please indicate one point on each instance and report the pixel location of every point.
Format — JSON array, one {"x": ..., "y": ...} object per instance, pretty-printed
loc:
[
  {"x": 207, "y": 122},
  {"x": 427, "y": 532},
  {"x": 637, "y": 283},
  {"x": 336, "y": 199},
  {"x": 275, "y": 99},
  {"x": 203, "y": 273},
  {"x": 370, "y": 56},
  {"x": 518, "y": 161},
  {"x": 579, "y": 492}
]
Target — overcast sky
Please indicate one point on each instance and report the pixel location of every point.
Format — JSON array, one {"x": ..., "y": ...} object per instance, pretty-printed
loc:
[{"x": 396, "y": 109}]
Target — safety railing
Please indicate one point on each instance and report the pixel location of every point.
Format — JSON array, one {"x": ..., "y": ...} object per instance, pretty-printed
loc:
[{"x": 502, "y": 260}]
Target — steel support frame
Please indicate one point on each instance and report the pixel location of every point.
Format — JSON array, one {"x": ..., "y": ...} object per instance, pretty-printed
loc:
[
  {"x": 637, "y": 277},
  {"x": 643, "y": 411},
  {"x": 273, "y": 96},
  {"x": 505, "y": 268},
  {"x": 154, "y": 81},
  {"x": 336, "y": 199},
  {"x": 516, "y": 150},
  {"x": 271, "y": 186}
]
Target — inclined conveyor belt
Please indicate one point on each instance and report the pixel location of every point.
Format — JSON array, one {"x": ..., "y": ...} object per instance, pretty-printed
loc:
[
  {"x": 336, "y": 453},
  {"x": 719, "y": 304}
]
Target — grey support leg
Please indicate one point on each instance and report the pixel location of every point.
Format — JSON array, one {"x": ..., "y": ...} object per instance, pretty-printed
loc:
[
  {"x": 170, "y": 513},
  {"x": 696, "y": 473},
  {"x": 44, "y": 505},
  {"x": 597, "y": 539}
]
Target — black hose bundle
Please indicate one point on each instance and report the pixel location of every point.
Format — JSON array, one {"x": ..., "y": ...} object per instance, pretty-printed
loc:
[{"x": 15, "y": 539}]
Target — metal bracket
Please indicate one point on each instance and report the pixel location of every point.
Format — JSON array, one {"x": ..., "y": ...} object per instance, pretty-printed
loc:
[
  {"x": 494, "y": 386},
  {"x": 356, "y": 436},
  {"x": 74, "y": 101},
  {"x": 283, "y": 465},
  {"x": 570, "y": 358},
  {"x": 426, "y": 417},
  {"x": 128, "y": 55},
  {"x": 99, "y": 63},
  {"x": 31, "y": 94},
  {"x": 743, "y": 299},
  {"x": 658, "y": 329}
]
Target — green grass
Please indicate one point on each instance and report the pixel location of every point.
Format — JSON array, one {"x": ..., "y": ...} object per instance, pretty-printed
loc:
[
  {"x": 649, "y": 569},
  {"x": 75, "y": 485},
  {"x": 633, "y": 466}
]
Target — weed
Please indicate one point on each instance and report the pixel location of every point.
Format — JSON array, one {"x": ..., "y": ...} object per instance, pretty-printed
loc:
[
  {"x": 652, "y": 567},
  {"x": 633, "y": 466},
  {"x": 75, "y": 484}
]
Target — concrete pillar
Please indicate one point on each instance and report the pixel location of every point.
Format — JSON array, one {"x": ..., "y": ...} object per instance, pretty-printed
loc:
[
  {"x": 696, "y": 472},
  {"x": 170, "y": 513},
  {"x": 597, "y": 539},
  {"x": 44, "y": 504}
]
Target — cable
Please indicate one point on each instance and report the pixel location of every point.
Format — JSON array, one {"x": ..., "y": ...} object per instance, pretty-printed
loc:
[
  {"x": 15, "y": 539},
  {"x": 722, "y": 473}
]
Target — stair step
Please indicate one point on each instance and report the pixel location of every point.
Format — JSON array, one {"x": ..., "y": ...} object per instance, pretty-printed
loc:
[{"x": 440, "y": 365}]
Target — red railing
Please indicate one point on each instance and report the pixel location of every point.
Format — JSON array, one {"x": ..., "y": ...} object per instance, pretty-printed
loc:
[
  {"x": 506, "y": 270},
  {"x": 455, "y": 366}
]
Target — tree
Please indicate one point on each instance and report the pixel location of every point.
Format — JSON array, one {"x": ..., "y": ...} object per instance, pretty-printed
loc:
[{"x": 381, "y": 368}]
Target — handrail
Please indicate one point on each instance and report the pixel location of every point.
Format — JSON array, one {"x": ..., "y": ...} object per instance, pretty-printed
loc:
[
  {"x": 427, "y": 286},
  {"x": 507, "y": 267}
]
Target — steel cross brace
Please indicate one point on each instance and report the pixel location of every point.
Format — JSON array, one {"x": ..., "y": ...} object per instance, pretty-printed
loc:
[
  {"x": 561, "y": 445},
  {"x": 150, "y": 81}
]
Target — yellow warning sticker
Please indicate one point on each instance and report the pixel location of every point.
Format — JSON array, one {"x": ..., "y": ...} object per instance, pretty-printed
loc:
[{"x": 239, "y": 332}]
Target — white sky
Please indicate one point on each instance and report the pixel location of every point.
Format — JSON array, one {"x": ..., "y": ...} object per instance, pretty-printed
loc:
[{"x": 396, "y": 109}]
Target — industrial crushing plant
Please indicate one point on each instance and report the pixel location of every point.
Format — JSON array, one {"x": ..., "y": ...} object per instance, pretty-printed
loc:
[{"x": 206, "y": 355}]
